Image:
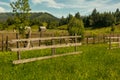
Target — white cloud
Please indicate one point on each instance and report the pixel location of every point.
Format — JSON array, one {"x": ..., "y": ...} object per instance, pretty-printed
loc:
[
  {"x": 49, "y": 3},
  {"x": 85, "y": 7},
  {"x": 2, "y": 9},
  {"x": 4, "y": 3},
  {"x": 13, "y": 0}
]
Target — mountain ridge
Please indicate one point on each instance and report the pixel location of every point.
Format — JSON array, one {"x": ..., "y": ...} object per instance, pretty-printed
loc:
[{"x": 42, "y": 16}]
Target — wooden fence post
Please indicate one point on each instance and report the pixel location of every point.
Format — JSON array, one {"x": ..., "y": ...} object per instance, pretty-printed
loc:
[
  {"x": 53, "y": 50},
  {"x": 119, "y": 41},
  {"x": 75, "y": 42},
  {"x": 104, "y": 40},
  {"x": 87, "y": 39},
  {"x": 18, "y": 52},
  {"x": 2, "y": 43},
  {"x": 110, "y": 42},
  {"x": 6, "y": 43},
  {"x": 40, "y": 37},
  {"x": 93, "y": 39}
]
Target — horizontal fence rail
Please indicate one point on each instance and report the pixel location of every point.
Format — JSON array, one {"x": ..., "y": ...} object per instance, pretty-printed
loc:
[{"x": 55, "y": 42}]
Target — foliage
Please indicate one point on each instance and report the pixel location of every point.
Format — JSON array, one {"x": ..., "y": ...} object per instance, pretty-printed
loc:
[
  {"x": 77, "y": 15},
  {"x": 21, "y": 10},
  {"x": 95, "y": 63},
  {"x": 98, "y": 20},
  {"x": 113, "y": 28},
  {"x": 94, "y": 20},
  {"x": 76, "y": 26},
  {"x": 1, "y": 26},
  {"x": 117, "y": 15},
  {"x": 63, "y": 27},
  {"x": 62, "y": 21},
  {"x": 52, "y": 25}
]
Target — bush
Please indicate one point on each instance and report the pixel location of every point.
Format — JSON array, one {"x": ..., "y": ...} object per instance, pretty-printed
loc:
[{"x": 76, "y": 26}]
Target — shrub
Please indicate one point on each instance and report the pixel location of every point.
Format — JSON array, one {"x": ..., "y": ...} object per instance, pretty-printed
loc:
[{"x": 76, "y": 26}]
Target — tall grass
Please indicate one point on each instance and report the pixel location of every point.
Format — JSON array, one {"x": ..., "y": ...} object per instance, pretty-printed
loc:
[{"x": 95, "y": 63}]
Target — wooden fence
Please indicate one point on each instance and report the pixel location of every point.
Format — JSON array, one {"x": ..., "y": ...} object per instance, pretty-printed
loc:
[
  {"x": 114, "y": 42},
  {"x": 52, "y": 42},
  {"x": 88, "y": 39}
]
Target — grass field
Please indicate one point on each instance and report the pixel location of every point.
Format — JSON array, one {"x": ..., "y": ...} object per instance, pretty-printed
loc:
[
  {"x": 95, "y": 63},
  {"x": 105, "y": 30}
]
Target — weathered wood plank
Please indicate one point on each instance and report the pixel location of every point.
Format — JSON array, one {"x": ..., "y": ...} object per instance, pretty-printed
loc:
[
  {"x": 43, "y": 58},
  {"x": 47, "y": 38},
  {"x": 45, "y": 47},
  {"x": 113, "y": 42},
  {"x": 113, "y": 37}
]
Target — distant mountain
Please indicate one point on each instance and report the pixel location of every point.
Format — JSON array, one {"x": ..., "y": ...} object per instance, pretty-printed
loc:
[
  {"x": 39, "y": 16},
  {"x": 44, "y": 17},
  {"x": 5, "y": 16}
]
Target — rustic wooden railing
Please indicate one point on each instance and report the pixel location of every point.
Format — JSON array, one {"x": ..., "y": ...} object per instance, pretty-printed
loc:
[
  {"x": 67, "y": 42},
  {"x": 112, "y": 41}
]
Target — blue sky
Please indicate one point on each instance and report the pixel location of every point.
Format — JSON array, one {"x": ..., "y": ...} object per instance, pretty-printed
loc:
[{"x": 61, "y": 8}]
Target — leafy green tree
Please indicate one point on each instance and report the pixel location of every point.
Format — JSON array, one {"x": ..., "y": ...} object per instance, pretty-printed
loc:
[
  {"x": 21, "y": 10},
  {"x": 76, "y": 26}
]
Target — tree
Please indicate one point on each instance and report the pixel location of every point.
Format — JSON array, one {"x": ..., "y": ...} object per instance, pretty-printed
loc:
[
  {"x": 95, "y": 17},
  {"x": 117, "y": 15},
  {"x": 70, "y": 16},
  {"x": 77, "y": 15},
  {"x": 76, "y": 26},
  {"x": 21, "y": 10},
  {"x": 52, "y": 25},
  {"x": 62, "y": 21},
  {"x": 108, "y": 19},
  {"x": 113, "y": 28}
]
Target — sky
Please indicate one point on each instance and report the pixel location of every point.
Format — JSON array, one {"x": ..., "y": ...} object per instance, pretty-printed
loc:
[{"x": 61, "y": 8}]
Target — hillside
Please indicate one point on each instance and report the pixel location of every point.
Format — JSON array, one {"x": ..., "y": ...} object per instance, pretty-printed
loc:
[
  {"x": 44, "y": 17},
  {"x": 39, "y": 16}
]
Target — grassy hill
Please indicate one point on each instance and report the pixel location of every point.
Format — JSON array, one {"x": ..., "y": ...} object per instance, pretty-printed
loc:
[
  {"x": 95, "y": 63},
  {"x": 104, "y": 30},
  {"x": 41, "y": 16},
  {"x": 44, "y": 17}
]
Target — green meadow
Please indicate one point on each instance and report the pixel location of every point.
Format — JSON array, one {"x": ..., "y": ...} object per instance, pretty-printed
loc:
[{"x": 95, "y": 62}]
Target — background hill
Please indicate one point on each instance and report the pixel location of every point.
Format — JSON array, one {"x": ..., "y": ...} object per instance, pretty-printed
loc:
[{"x": 39, "y": 16}]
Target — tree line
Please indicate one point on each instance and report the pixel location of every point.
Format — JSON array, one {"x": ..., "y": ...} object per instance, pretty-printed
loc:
[{"x": 95, "y": 19}]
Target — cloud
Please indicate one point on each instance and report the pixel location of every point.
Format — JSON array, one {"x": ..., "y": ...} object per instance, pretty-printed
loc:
[
  {"x": 49, "y": 3},
  {"x": 4, "y": 3},
  {"x": 86, "y": 6},
  {"x": 2, "y": 9},
  {"x": 13, "y": 0}
]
